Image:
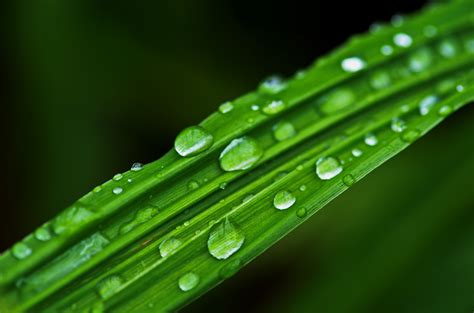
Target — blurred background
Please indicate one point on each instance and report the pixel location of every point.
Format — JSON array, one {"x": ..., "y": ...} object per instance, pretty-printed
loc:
[{"x": 90, "y": 86}]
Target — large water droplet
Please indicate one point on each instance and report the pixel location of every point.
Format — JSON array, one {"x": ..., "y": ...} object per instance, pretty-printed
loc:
[
  {"x": 42, "y": 234},
  {"x": 427, "y": 103},
  {"x": 284, "y": 200},
  {"x": 274, "y": 107},
  {"x": 398, "y": 125},
  {"x": 328, "y": 168},
  {"x": 272, "y": 85},
  {"x": 240, "y": 154},
  {"x": 192, "y": 141},
  {"x": 70, "y": 219},
  {"x": 403, "y": 40},
  {"x": 337, "y": 100},
  {"x": 109, "y": 286},
  {"x": 283, "y": 131},
  {"x": 169, "y": 246},
  {"x": 420, "y": 60},
  {"x": 353, "y": 64},
  {"x": 136, "y": 167},
  {"x": 371, "y": 140},
  {"x": 188, "y": 281},
  {"x": 225, "y": 239},
  {"x": 226, "y": 107},
  {"x": 21, "y": 250}
]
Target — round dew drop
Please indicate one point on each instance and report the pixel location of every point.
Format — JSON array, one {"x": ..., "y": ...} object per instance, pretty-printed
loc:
[
  {"x": 337, "y": 100},
  {"x": 169, "y": 246},
  {"x": 402, "y": 40},
  {"x": 118, "y": 177},
  {"x": 109, "y": 286},
  {"x": 301, "y": 212},
  {"x": 386, "y": 50},
  {"x": 353, "y": 64},
  {"x": 420, "y": 60},
  {"x": 226, "y": 107},
  {"x": 284, "y": 200},
  {"x": 42, "y": 234},
  {"x": 272, "y": 85},
  {"x": 188, "y": 281},
  {"x": 398, "y": 125},
  {"x": 427, "y": 103},
  {"x": 192, "y": 141},
  {"x": 274, "y": 107},
  {"x": 225, "y": 239},
  {"x": 136, "y": 167},
  {"x": 380, "y": 80},
  {"x": 117, "y": 190},
  {"x": 192, "y": 185},
  {"x": 21, "y": 251},
  {"x": 240, "y": 154},
  {"x": 328, "y": 167},
  {"x": 410, "y": 135},
  {"x": 357, "y": 153},
  {"x": 283, "y": 131},
  {"x": 445, "y": 110},
  {"x": 371, "y": 140},
  {"x": 448, "y": 48}
]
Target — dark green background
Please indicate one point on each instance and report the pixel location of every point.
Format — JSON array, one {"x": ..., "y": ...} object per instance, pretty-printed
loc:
[{"x": 91, "y": 86}]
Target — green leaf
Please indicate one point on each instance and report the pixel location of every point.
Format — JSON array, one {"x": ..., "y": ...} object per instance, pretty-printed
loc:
[{"x": 160, "y": 235}]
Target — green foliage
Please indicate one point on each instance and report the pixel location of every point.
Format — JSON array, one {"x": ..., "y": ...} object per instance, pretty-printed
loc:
[{"x": 158, "y": 236}]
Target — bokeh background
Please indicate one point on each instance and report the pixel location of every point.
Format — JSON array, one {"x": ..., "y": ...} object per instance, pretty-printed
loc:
[{"x": 90, "y": 86}]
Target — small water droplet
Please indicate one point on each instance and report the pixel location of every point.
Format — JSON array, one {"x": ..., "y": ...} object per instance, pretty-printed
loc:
[
  {"x": 448, "y": 48},
  {"x": 230, "y": 269},
  {"x": 380, "y": 80},
  {"x": 188, "y": 281},
  {"x": 21, "y": 250},
  {"x": 143, "y": 215},
  {"x": 445, "y": 110},
  {"x": 427, "y": 103},
  {"x": 397, "y": 20},
  {"x": 302, "y": 188},
  {"x": 386, "y": 50},
  {"x": 109, "y": 286},
  {"x": 192, "y": 185},
  {"x": 136, "y": 167},
  {"x": 353, "y": 64},
  {"x": 410, "y": 135},
  {"x": 223, "y": 186},
  {"x": 247, "y": 198},
  {"x": 403, "y": 40},
  {"x": 420, "y": 60},
  {"x": 117, "y": 190},
  {"x": 226, "y": 107},
  {"x": 357, "y": 153},
  {"x": 272, "y": 85},
  {"x": 42, "y": 234},
  {"x": 255, "y": 107},
  {"x": 240, "y": 154},
  {"x": 283, "y": 131},
  {"x": 283, "y": 200},
  {"x": 300, "y": 167},
  {"x": 192, "y": 141},
  {"x": 398, "y": 125},
  {"x": 225, "y": 239},
  {"x": 371, "y": 140},
  {"x": 118, "y": 177},
  {"x": 301, "y": 212},
  {"x": 97, "y": 189},
  {"x": 430, "y": 31},
  {"x": 337, "y": 100},
  {"x": 348, "y": 180},
  {"x": 274, "y": 107},
  {"x": 169, "y": 246},
  {"x": 328, "y": 167},
  {"x": 460, "y": 88}
]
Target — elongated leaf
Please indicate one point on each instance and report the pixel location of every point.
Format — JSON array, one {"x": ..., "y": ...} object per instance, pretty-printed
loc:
[{"x": 158, "y": 236}]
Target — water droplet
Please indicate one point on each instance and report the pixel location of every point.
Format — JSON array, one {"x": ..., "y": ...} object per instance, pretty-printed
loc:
[
  {"x": 410, "y": 135},
  {"x": 348, "y": 180},
  {"x": 397, "y": 20},
  {"x": 109, "y": 286},
  {"x": 42, "y": 234},
  {"x": 460, "y": 88},
  {"x": 380, "y": 80},
  {"x": 21, "y": 251},
  {"x": 70, "y": 219},
  {"x": 192, "y": 141},
  {"x": 226, "y": 107},
  {"x": 272, "y": 85},
  {"x": 302, "y": 188},
  {"x": 448, "y": 48},
  {"x": 328, "y": 167},
  {"x": 188, "y": 281},
  {"x": 117, "y": 190},
  {"x": 283, "y": 131},
  {"x": 255, "y": 107},
  {"x": 129, "y": 180},
  {"x": 223, "y": 186},
  {"x": 224, "y": 240},
  {"x": 402, "y": 40},
  {"x": 118, "y": 177},
  {"x": 230, "y": 269},
  {"x": 357, "y": 153},
  {"x": 398, "y": 125},
  {"x": 169, "y": 246},
  {"x": 386, "y": 50},
  {"x": 274, "y": 107},
  {"x": 97, "y": 189},
  {"x": 445, "y": 110},
  {"x": 136, "y": 167},
  {"x": 240, "y": 154},
  {"x": 247, "y": 198},
  {"x": 142, "y": 216},
  {"x": 427, "y": 103},
  {"x": 420, "y": 60},
  {"x": 300, "y": 167},
  {"x": 284, "y": 200},
  {"x": 353, "y": 64},
  {"x": 371, "y": 140},
  {"x": 337, "y": 100},
  {"x": 430, "y": 31},
  {"x": 301, "y": 212},
  {"x": 192, "y": 185}
]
